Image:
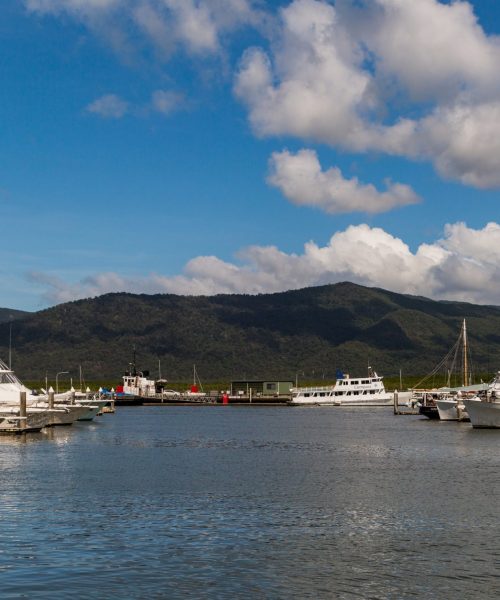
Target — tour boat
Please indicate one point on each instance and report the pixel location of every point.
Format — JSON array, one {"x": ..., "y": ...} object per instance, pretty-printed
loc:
[{"x": 347, "y": 391}]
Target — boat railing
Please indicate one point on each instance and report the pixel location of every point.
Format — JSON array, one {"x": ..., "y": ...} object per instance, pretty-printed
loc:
[{"x": 326, "y": 388}]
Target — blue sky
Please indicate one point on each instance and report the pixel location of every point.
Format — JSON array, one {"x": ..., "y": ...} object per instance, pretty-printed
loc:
[{"x": 205, "y": 146}]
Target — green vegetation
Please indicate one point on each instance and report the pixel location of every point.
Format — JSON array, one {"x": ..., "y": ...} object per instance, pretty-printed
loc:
[{"x": 305, "y": 334}]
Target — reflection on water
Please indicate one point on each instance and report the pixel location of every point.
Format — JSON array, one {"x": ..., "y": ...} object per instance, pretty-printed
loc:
[{"x": 235, "y": 502}]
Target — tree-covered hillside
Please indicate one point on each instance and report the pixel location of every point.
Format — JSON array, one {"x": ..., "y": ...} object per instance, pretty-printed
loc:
[{"x": 310, "y": 332}]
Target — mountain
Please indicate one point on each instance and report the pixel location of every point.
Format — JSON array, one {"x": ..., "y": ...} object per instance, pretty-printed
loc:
[{"x": 312, "y": 331}]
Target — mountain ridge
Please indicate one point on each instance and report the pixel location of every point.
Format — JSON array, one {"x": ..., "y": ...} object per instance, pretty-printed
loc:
[{"x": 313, "y": 331}]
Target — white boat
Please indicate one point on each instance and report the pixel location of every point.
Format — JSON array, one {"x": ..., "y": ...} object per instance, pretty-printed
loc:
[
  {"x": 64, "y": 412},
  {"x": 450, "y": 400},
  {"x": 347, "y": 391},
  {"x": 452, "y": 409},
  {"x": 484, "y": 413},
  {"x": 138, "y": 384},
  {"x": 12, "y": 422}
]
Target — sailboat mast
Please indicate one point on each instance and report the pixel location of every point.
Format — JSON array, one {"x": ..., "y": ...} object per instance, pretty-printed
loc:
[
  {"x": 466, "y": 367},
  {"x": 10, "y": 346}
]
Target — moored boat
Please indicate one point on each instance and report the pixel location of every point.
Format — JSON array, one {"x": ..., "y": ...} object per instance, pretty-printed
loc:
[
  {"x": 484, "y": 412},
  {"x": 452, "y": 409},
  {"x": 347, "y": 391}
]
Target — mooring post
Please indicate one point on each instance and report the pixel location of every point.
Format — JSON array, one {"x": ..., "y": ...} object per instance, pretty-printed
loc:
[
  {"x": 23, "y": 424},
  {"x": 51, "y": 400},
  {"x": 250, "y": 395},
  {"x": 396, "y": 403},
  {"x": 72, "y": 397}
]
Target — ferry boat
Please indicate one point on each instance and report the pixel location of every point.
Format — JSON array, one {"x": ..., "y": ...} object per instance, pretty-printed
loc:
[{"x": 347, "y": 391}]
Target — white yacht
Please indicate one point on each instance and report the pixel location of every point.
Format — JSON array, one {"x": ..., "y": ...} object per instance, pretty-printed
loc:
[
  {"x": 63, "y": 413},
  {"x": 484, "y": 413},
  {"x": 347, "y": 391}
]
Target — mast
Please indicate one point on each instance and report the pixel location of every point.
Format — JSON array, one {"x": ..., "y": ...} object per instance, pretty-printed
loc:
[
  {"x": 10, "y": 346},
  {"x": 465, "y": 365}
]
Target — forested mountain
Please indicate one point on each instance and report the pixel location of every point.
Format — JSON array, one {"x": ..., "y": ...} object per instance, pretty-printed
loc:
[{"x": 312, "y": 332}]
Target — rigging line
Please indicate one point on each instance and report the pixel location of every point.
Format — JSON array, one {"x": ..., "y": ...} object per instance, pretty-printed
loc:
[{"x": 452, "y": 351}]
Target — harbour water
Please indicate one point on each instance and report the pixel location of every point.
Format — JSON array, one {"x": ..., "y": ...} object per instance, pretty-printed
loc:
[{"x": 245, "y": 502}]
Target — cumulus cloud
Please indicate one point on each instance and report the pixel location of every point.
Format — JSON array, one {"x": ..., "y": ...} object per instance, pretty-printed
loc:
[
  {"x": 109, "y": 106},
  {"x": 414, "y": 79},
  {"x": 463, "y": 265},
  {"x": 301, "y": 180}
]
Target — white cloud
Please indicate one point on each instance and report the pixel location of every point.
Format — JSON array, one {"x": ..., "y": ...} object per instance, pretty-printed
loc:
[
  {"x": 463, "y": 265},
  {"x": 301, "y": 180},
  {"x": 433, "y": 50},
  {"x": 79, "y": 7},
  {"x": 414, "y": 79},
  {"x": 197, "y": 26},
  {"x": 109, "y": 106},
  {"x": 317, "y": 85},
  {"x": 166, "y": 101}
]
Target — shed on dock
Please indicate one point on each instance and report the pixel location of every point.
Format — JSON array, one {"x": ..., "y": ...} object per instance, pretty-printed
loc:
[{"x": 261, "y": 388}]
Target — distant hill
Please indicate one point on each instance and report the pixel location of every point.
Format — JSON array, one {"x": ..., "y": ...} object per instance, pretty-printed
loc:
[
  {"x": 9, "y": 314},
  {"x": 312, "y": 332}
]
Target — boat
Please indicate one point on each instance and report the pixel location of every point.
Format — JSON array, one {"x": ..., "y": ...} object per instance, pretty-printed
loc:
[
  {"x": 446, "y": 403},
  {"x": 196, "y": 389},
  {"x": 65, "y": 410},
  {"x": 347, "y": 391},
  {"x": 135, "y": 387},
  {"x": 426, "y": 403},
  {"x": 484, "y": 412}
]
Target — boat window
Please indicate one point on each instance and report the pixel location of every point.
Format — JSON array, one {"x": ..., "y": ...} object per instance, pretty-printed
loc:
[{"x": 306, "y": 395}]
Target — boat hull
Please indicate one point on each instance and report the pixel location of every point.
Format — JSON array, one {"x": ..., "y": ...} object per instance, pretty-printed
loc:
[
  {"x": 11, "y": 422},
  {"x": 483, "y": 415},
  {"x": 385, "y": 401},
  {"x": 89, "y": 413},
  {"x": 431, "y": 412},
  {"x": 448, "y": 411}
]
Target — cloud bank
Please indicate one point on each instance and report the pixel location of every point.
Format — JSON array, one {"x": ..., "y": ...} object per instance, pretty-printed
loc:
[{"x": 463, "y": 265}]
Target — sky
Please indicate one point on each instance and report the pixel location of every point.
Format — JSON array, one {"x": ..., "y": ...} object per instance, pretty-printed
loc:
[{"x": 242, "y": 146}]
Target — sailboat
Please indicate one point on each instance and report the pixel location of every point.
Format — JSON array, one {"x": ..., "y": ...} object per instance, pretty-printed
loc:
[
  {"x": 453, "y": 409},
  {"x": 447, "y": 403},
  {"x": 196, "y": 389}
]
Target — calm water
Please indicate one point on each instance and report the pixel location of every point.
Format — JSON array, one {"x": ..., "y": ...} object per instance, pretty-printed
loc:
[{"x": 233, "y": 502}]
